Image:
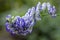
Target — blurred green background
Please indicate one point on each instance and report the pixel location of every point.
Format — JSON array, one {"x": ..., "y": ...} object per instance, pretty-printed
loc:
[{"x": 46, "y": 29}]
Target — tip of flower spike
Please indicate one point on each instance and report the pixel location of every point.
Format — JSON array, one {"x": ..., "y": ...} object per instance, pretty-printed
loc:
[
  {"x": 44, "y": 6},
  {"x": 52, "y": 10},
  {"x": 32, "y": 11},
  {"x": 38, "y": 6},
  {"x": 8, "y": 17}
]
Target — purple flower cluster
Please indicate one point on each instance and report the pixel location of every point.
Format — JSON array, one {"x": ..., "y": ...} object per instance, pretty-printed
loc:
[
  {"x": 24, "y": 25},
  {"x": 21, "y": 25},
  {"x": 51, "y": 10}
]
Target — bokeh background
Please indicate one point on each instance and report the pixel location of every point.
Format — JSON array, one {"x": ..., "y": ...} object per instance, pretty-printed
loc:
[{"x": 46, "y": 29}]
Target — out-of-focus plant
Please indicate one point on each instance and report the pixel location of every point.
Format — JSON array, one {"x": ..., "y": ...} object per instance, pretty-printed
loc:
[{"x": 24, "y": 25}]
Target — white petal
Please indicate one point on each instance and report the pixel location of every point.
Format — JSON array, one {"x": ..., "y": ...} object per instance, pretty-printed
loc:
[
  {"x": 48, "y": 5},
  {"x": 32, "y": 11},
  {"x": 44, "y": 6}
]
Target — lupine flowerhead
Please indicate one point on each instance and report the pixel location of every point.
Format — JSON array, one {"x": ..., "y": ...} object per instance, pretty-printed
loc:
[
  {"x": 24, "y": 25},
  {"x": 21, "y": 25},
  {"x": 51, "y": 10}
]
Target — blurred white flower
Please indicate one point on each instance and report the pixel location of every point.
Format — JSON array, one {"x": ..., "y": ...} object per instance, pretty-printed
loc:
[
  {"x": 44, "y": 6},
  {"x": 48, "y": 5}
]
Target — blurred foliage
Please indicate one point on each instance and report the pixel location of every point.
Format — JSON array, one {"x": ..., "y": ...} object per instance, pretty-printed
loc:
[{"x": 46, "y": 29}]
